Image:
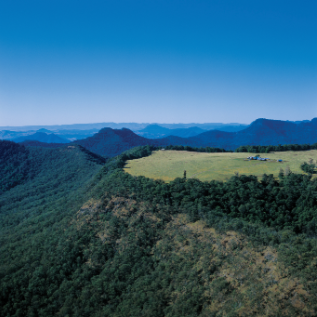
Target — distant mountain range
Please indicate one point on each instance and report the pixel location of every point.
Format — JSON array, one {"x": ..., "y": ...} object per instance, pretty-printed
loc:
[
  {"x": 41, "y": 137},
  {"x": 77, "y": 132},
  {"x": 155, "y": 131},
  {"x": 65, "y": 135},
  {"x": 260, "y": 132},
  {"x": 70, "y": 133},
  {"x": 129, "y": 125},
  {"x": 111, "y": 142}
]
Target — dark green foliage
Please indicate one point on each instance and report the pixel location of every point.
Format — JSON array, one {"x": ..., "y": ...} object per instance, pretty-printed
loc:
[
  {"x": 61, "y": 259},
  {"x": 270, "y": 148},
  {"x": 13, "y": 165},
  {"x": 33, "y": 218},
  {"x": 308, "y": 168},
  {"x": 289, "y": 203},
  {"x": 195, "y": 149},
  {"x": 31, "y": 143},
  {"x": 41, "y": 137}
]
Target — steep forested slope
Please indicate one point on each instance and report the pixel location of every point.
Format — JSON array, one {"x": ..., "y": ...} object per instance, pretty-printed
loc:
[
  {"x": 13, "y": 164},
  {"x": 31, "y": 143},
  {"x": 36, "y": 178},
  {"x": 117, "y": 245}
]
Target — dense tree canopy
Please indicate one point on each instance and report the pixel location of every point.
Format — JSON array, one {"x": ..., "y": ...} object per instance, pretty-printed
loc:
[
  {"x": 308, "y": 167},
  {"x": 83, "y": 238},
  {"x": 270, "y": 148}
]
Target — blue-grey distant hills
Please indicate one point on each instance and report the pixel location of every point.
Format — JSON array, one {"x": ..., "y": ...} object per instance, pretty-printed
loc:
[
  {"x": 155, "y": 131},
  {"x": 261, "y": 132},
  {"x": 44, "y": 131},
  {"x": 110, "y": 142},
  {"x": 150, "y": 131},
  {"x": 41, "y": 137},
  {"x": 70, "y": 135},
  {"x": 265, "y": 132},
  {"x": 10, "y": 135},
  {"x": 71, "y": 128}
]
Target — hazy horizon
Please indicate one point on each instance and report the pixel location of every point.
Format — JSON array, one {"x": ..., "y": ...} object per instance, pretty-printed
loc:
[
  {"x": 121, "y": 124},
  {"x": 152, "y": 123}
]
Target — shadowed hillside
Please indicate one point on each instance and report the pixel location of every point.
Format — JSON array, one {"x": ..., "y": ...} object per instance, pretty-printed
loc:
[
  {"x": 274, "y": 132},
  {"x": 13, "y": 165},
  {"x": 34, "y": 180},
  {"x": 260, "y": 132},
  {"x": 42, "y": 144},
  {"x": 20, "y": 164},
  {"x": 214, "y": 138},
  {"x": 110, "y": 142}
]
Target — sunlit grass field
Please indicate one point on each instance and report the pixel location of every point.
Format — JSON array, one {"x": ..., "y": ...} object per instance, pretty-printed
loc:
[{"x": 167, "y": 165}]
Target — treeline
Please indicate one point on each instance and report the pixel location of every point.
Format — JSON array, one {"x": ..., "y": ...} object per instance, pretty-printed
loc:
[
  {"x": 195, "y": 149},
  {"x": 272, "y": 148},
  {"x": 246, "y": 148},
  {"x": 136, "y": 152},
  {"x": 288, "y": 203}
]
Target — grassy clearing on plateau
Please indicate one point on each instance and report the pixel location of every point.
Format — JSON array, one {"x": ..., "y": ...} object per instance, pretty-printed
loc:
[{"x": 167, "y": 165}]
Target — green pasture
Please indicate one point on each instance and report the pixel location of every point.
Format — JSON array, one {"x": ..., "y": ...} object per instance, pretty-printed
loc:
[{"x": 167, "y": 165}]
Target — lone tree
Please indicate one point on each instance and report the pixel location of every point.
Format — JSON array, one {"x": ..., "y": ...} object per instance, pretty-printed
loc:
[
  {"x": 184, "y": 174},
  {"x": 308, "y": 168}
]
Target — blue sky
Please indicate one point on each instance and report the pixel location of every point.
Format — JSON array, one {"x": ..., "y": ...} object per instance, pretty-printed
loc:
[{"x": 64, "y": 62}]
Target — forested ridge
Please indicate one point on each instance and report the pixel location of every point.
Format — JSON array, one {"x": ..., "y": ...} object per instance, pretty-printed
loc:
[{"x": 83, "y": 238}]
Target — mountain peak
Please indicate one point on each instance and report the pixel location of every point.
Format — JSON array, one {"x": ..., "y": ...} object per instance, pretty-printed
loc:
[
  {"x": 272, "y": 124},
  {"x": 42, "y": 137},
  {"x": 155, "y": 128},
  {"x": 44, "y": 131},
  {"x": 105, "y": 130},
  {"x": 260, "y": 121}
]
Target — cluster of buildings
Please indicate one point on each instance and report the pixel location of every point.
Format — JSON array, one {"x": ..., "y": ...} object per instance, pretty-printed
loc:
[
  {"x": 261, "y": 158},
  {"x": 258, "y": 158}
]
